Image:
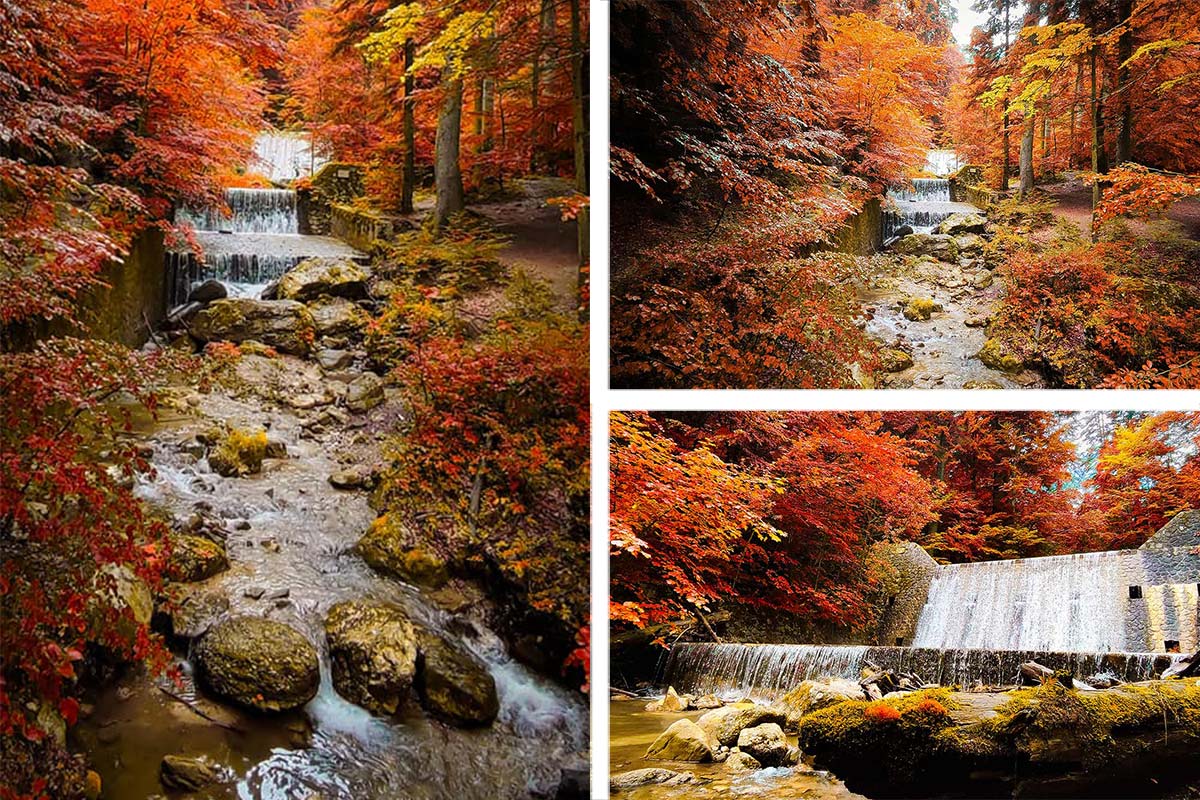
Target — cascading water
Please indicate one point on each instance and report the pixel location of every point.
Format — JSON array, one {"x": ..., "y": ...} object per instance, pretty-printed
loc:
[
  {"x": 252, "y": 211},
  {"x": 285, "y": 156},
  {"x": 767, "y": 669},
  {"x": 921, "y": 207},
  {"x": 942, "y": 162}
]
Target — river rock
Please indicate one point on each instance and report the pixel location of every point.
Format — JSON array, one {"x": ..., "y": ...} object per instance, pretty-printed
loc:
[
  {"x": 684, "y": 740},
  {"x": 454, "y": 685},
  {"x": 742, "y": 762},
  {"x": 239, "y": 453},
  {"x": 894, "y": 360},
  {"x": 339, "y": 317},
  {"x": 724, "y": 724},
  {"x": 766, "y": 743},
  {"x": 969, "y": 243},
  {"x": 284, "y": 325},
  {"x": 373, "y": 653},
  {"x": 364, "y": 393},
  {"x": 962, "y": 223},
  {"x": 257, "y": 663},
  {"x": 195, "y": 558},
  {"x": 943, "y": 247},
  {"x": 314, "y": 277},
  {"x": 358, "y": 476},
  {"x": 386, "y": 548},
  {"x": 982, "y": 280},
  {"x": 671, "y": 701},
  {"x": 654, "y": 776},
  {"x": 994, "y": 355},
  {"x": 188, "y": 774},
  {"x": 918, "y": 309},
  {"x": 705, "y": 702},
  {"x": 330, "y": 359},
  {"x": 207, "y": 292}
]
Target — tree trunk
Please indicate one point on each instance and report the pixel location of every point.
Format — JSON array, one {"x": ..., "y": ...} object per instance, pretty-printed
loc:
[
  {"x": 579, "y": 103},
  {"x": 1099, "y": 156},
  {"x": 1006, "y": 143},
  {"x": 1124, "y": 51},
  {"x": 409, "y": 176},
  {"x": 449, "y": 186},
  {"x": 540, "y": 75},
  {"x": 1026, "y": 162}
]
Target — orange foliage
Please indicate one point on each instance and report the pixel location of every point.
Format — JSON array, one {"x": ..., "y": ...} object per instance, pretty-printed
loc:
[{"x": 880, "y": 713}]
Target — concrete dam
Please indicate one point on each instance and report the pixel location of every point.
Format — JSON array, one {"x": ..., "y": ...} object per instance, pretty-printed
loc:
[{"x": 1126, "y": 614}]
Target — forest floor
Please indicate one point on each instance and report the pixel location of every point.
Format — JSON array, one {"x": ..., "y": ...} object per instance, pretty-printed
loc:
[
  {"x": 541, "y": 243},
  {"x": 1074, "y": 204}
]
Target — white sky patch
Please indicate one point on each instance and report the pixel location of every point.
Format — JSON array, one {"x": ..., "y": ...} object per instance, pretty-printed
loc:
[{"x": 968, "y": 20}]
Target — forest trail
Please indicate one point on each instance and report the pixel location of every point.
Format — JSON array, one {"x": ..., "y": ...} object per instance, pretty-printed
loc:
[
  {"x": 1074, "y": 204},
  {"x": 290, "y": 540}
]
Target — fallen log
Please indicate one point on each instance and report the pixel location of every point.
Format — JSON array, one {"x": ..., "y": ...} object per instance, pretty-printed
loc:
[{"x": 1184, "y": 668}]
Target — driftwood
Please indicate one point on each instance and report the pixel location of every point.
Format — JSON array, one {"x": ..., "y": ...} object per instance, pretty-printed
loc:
[
  {"x": 1036, "y": 673},
  {"x": 883, "y": 682},
  {"x": 625, "y": 692},
  {"x": 229, "y": 726},
  {"x": 1184, "y": 668}
]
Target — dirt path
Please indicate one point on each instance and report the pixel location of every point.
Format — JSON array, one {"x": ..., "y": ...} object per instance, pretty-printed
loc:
[{"x": 1074, "y": 200}]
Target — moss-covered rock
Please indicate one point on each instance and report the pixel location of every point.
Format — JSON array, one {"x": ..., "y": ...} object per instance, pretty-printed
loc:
[
  {"x": 259, "y": 664},
  {"x": 339, "y": 317},
  {"x": 194, "y": 558},
  {"x": 943, "y": 247},
  {"x": 993, "y": 354},
  {"x": 724, "y": 724},
  {"x": 454, "y": 685},
  {"x": 285, "y": 325},
  {"x": 893, "y": 360},
  {"x": 239, "y": 453},
  {"x": 920, "y": 308},
  {"x": 314, "y": 277},
  {"x": 388, "y": 548},
  {"x": 812, "y": 696},
  {"x": 373, "y": 653}
]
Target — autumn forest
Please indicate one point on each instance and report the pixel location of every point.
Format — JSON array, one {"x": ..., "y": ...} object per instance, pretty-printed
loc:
[
  {"x": 293, "y": 398},
  {"x": 837, "y": 194}
]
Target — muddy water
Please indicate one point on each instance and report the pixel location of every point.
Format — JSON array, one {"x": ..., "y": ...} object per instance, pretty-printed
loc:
[
  {"x": 289, "y": 531},
  {"x": 631, "y": 730},
  {"x": 943, "y": 347}
]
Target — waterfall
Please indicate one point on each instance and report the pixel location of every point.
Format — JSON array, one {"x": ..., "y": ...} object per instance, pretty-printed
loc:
[
  {"x": 921, "y": 207},
  {"x": 283, "y": 156},
  {"x": 253, "y": 211},
  {"x": 765, "y": 669},
  {"x": 942, "y": 162},
  {"x": 768, "y": 671}
]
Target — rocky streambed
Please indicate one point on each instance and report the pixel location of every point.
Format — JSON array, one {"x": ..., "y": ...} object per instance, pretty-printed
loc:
[
  {"x": 306, "y": 672},
  {"x": 1056, "y": 739},
  {"x": 929, "y": 308}
]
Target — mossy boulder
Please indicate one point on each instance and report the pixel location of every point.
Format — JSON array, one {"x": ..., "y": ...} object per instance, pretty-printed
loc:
[
  {"x": 960, "y": 223},
  {"x": 813, "y": 695},
  {"x": 683, "y": 740},
  {"x": 364, "y": 393},
  {"x": 285, "y": 325},
  {"x": 943, "y": 247},
  {"x": 1134, "y": 740},
  {"x": 373, "y": 654},
  {"x": 239, "y": 453},
  {"x": 388, "y": 548},
  {"x": 995, "y": 355},
  {"x": 920, "y": 308},
  {"x": 454, "y": 685},
  {"x": 258, "y": 664},
  {"x": 331, "y": 277},
  {"x": 195, "y": 558},
  {"x": 339, "y": 317},
  {"x": 894, "y": 360},
  {"x": 724, "y": 724}
]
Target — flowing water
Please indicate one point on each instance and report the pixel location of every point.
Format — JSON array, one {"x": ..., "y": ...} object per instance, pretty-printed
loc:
[
  {"x": 943, "y": 162},
  {"x": 247, "y": 248},
  {"x": 922, "y": 207},
  {"x": 290, "y": 531},
  {"x": 631, "y": 730},
  {"x": 284, "y": 156}
]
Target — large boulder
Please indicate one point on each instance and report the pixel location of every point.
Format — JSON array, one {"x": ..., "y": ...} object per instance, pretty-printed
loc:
[
  {"x": 960, "y": 223},
  {"x": 454, "y": 685},
  {"x": 364, "y": 393},
  {"x": 373, "y": 653},
  {"x": 239, "y": 453},
  {"x": 742, "y": 762},
  {"x": 331, "y": 277},
  {"x": 207, "y": 292},
  {"x": 724, "y": 724},
  {"x": 941, "y": 246},
  {"x": 259, "y": 664},
  {"x": 766, "y": 743},
  {"x": 994, "y": 355},
  {"x": 339, "y": 317},
  {"x": 684, "y": 740},
  {"x": 187, "y": 774},
  {"x": 388, "y": 548},
  {"x": 284, "y": 325},
  {"x": 653, "y": 776},
  {"x": 194, "y": 558}
]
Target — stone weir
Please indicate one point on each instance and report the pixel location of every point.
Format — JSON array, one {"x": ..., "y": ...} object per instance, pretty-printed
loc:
[
  {"x": 1126, "y": 613},
  {"x": 254, "y": 243},
  {"x": 770, "y": 670}
]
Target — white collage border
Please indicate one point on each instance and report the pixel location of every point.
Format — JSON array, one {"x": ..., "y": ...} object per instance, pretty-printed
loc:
[{"x": 605, "y": 400}]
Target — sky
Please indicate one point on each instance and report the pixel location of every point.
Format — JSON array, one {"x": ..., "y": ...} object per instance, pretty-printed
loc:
[{"x": 967, "y": 20}]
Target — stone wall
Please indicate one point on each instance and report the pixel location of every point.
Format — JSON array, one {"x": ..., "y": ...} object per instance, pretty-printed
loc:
[
  {"x": 1182, "y": 531},
  {"x": 915, "y": 569},
  {"x": 862, "y": 235},
  {"x": 363, "y": 229},
  {"x": 335, "y": 183}
]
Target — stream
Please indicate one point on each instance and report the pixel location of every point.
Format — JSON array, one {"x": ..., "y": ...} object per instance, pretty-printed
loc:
[
  {"x": 632, "y": 729},
  {"x": 290, "y": 540}
]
